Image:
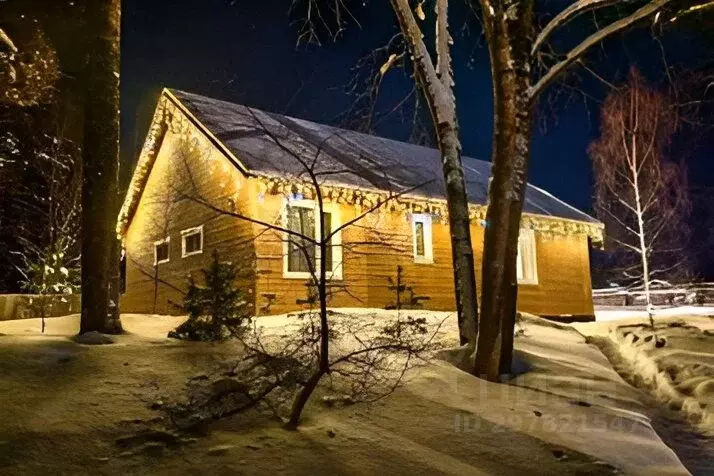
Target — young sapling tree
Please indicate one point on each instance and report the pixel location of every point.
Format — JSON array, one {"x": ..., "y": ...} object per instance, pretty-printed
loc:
[
  {"x": 315, "y": 242},
  {"x": 641, "y": 195}
]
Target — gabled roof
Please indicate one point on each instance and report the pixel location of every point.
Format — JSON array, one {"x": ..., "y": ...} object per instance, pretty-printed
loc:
[
  {"x": 352, "y": 158},
  {"x": 267, "y": 144}
]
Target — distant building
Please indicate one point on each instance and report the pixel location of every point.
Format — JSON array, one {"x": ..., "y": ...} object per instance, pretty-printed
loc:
[{"x": 211, "y": 171}]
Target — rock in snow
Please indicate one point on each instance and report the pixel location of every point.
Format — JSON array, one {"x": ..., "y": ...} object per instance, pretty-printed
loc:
[{"x": 93, "y": 338}]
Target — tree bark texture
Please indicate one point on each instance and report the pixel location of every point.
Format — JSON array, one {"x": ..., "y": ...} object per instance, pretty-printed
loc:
[
  {"x": 462, "y": 254},
  {"x": 301, "y": 399},
  {"x": 100, "y": 157},
  {"x": 437, "y": 88},
  {"x": 509, "y": 34},
  {"x": 114, "y": 322}
]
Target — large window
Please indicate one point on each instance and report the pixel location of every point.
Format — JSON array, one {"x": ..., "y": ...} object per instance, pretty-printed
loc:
[
  {"x": 192, "y": 241},
  {"x": 422, "y": 238},
  {"x": 301, "y": 216},
  {"x": 161, "y": 251},
  {"x": 526, "y": 266}
]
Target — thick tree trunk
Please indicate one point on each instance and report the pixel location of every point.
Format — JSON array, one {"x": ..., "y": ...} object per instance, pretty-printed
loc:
[
  {"x": 509, "y": 35},
  {"x": 100, "y": 156},
  {"x": 114, "y": 322}
]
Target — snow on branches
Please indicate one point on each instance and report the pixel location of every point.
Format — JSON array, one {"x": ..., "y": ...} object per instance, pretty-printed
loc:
[{"x": 28, "y": 72}]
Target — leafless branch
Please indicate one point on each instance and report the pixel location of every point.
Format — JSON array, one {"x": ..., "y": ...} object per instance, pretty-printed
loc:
[{"x": 578, "y": 51}]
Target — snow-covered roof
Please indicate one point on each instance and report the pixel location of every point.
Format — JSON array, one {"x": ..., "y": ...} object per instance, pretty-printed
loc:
[
  {"x": 276, "y": 148},
  {"x": 352, "y": 158}
]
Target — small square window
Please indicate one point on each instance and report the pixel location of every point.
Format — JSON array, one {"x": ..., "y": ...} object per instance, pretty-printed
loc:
[
  {"x": 192, "y": 241},
  {"x": 422, "y": 238},
  {"x": 161, "y": 251},
  {"x": 526, "y": 260}
]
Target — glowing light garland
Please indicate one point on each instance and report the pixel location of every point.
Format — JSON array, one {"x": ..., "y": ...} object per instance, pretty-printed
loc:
[{"x": 363, "y": 200}]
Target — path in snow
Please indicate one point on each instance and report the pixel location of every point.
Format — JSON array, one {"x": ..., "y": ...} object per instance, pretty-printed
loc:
[{"x": 694, "y": 450}]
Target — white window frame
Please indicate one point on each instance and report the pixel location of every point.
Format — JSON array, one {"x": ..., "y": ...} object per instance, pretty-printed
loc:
[
  {"x": 527, "y": 243},
  {"x": 334, "y": 211},
  {"x": 427, "y": 224},
  {"x": 167, "y": 241},
  {"x": 189, "y": 232}
]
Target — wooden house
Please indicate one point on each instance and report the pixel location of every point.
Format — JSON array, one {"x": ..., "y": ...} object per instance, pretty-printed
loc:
[{"x": 220, "y": 177}]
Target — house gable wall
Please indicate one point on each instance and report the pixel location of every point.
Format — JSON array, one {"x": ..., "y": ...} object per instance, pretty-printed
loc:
[{"x": 187, "y": 164}]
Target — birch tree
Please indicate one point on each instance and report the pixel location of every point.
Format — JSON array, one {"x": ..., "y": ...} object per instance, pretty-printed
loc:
[
  {"x": 435, "y": 79},
  {"x": 641, "y": 196},
  {"x": 434, "y": 75}
]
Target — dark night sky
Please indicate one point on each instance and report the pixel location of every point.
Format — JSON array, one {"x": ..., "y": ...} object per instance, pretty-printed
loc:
[{"x": 246, "y": 53}]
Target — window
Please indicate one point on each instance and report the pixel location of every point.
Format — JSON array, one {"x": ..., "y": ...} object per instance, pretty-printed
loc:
[
  {"x": 422, "y": 240},
  {"x": 300, "y": 254},
  {"x": 192, "y": 241},
  {"x": 526, "y": 268},
  {"x": 161, "y": 251}
]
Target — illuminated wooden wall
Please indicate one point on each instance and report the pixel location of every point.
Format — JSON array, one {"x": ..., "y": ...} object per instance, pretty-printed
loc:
[{"x": 206, "y": 176}]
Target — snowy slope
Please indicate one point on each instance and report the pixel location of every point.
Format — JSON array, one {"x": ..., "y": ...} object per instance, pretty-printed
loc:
[{"x": 66, "y": 404}]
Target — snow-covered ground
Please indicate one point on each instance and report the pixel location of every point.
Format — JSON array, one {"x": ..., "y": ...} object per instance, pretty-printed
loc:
[
  {"x": 615, "y": 313},
  {"x": 66, "y": 404},
  {"x": 675, "y": 360}
]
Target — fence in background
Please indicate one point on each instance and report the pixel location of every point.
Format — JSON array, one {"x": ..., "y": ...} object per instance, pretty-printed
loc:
[
  {"x": 685, "y": 294},
  {"x": 19, "y": 306}
]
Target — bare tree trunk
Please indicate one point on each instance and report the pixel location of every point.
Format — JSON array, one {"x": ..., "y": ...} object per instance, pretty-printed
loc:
[
  {"x": 509, "y": 36},
  {"x": 302, "y": 398},
  {"x": 100, "y": 162},
  {"x": 322, "y": 292},
  {"x": 462, "y": 255},
  {"x": 114, "y": 322},
  {"x": 639, "y": 212},
  {"x": 437, "y": 88}
]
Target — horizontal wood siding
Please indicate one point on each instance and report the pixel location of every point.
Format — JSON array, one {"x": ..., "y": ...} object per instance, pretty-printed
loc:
[
  {"x": 276, "y": 294},
  {"x": 373, "y": 248},
  {"x": 434, "y": 281},
  {"x": 162, "y": 212},
  {"x": 563, "y": 268},
  {"x": 564, "y": 285}
]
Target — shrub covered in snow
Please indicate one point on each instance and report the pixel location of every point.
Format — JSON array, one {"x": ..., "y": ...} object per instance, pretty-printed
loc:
[{"x": 52, "y": 277}]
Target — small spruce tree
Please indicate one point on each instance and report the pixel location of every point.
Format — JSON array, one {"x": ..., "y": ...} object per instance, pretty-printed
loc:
[
  {"x": 216, "y": 310},
  {"x": 52, "y": 278}
]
